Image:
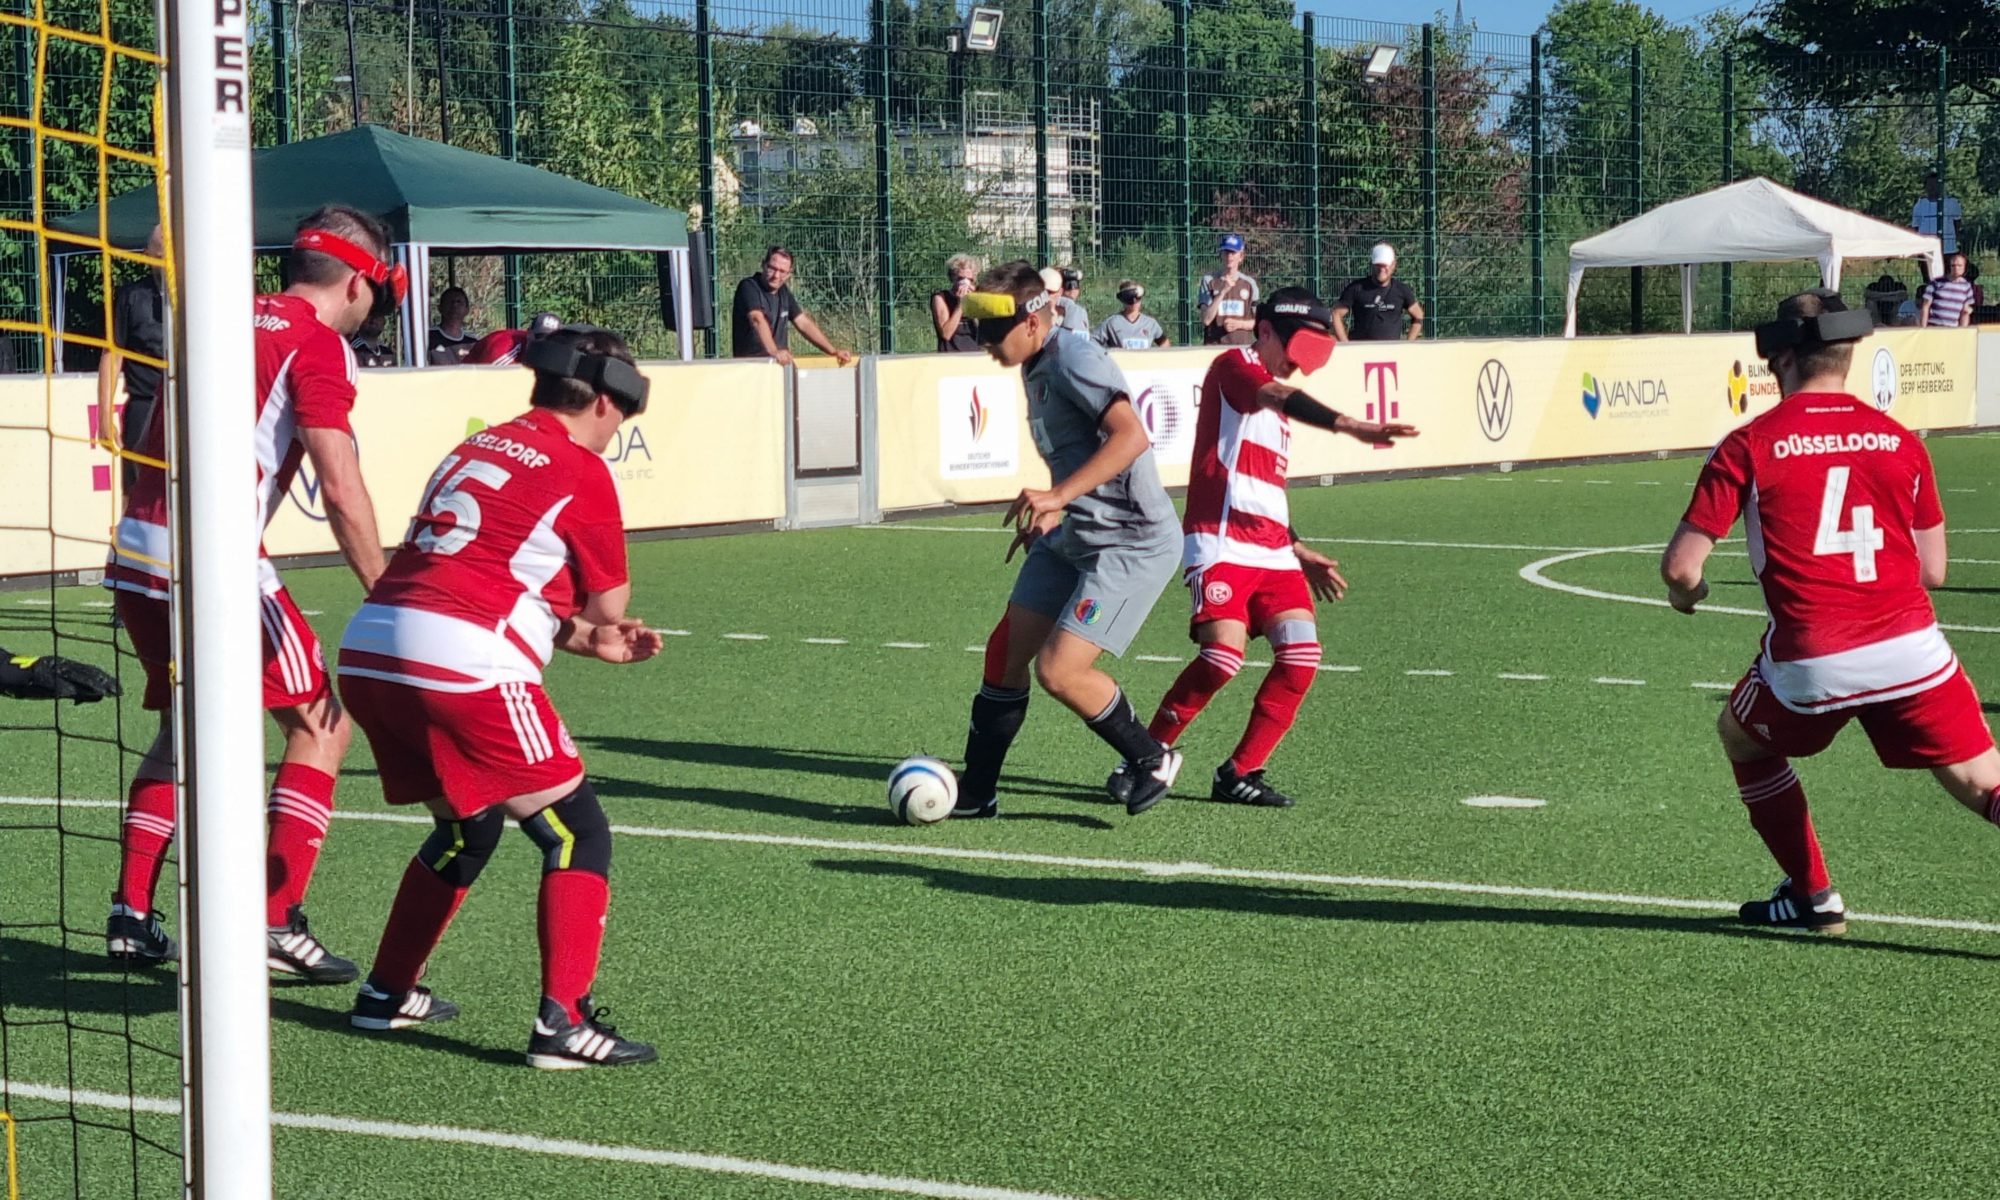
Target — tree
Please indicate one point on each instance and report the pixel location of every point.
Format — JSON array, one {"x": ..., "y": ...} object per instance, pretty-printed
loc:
[{"x": 1843, "y": 51}]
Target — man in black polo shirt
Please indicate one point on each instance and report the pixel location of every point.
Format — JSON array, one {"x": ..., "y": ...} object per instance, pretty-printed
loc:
[
  {"x": 138, "y": 326},
  {"x": 1377, "y": 302},
  {"x": 761, "y": 320}
]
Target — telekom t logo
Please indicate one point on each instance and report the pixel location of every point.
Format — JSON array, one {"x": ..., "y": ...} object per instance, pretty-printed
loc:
[{"x": 1387, "y": 404}]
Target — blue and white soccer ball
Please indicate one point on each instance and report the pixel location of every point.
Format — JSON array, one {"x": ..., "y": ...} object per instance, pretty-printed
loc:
[{"x": 922, "y": 791}]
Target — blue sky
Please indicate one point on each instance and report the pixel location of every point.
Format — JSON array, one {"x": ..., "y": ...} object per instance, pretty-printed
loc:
[{"x": 1525, "y": 16}]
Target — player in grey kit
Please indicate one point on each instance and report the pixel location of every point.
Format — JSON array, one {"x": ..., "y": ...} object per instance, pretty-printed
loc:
[{"x": 1102, "y": 543}]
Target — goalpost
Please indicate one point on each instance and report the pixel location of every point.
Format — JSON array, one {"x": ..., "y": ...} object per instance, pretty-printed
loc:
[{"x": 225, "y": 987}]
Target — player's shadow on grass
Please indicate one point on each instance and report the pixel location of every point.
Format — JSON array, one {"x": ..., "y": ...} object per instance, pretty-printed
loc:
[
  {"x": 1297, "y": 902},
  {"x": 36, "y": 974},
  {"x": 838, "y": 763},
  {"x": 332, "y": 1020},
  {"x": 876, "y": 815}
]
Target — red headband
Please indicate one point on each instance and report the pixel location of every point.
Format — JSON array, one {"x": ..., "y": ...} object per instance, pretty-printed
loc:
[{"x": 373, "y": 269}]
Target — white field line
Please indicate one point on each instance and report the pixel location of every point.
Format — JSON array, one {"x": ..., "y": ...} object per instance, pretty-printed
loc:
[
  {"x": 1341, "y": 668},
  {"x": 713, "y": 1164},
  {"x": 1522, "y": 678},
  {"x": 1533, "y": 573},
  {"x": 1331, "y": 541},
  {"x": 1609, "y": 680},
  {"x": 826, "y": 641},
  {"x": 1148, "y": 867},
  {"x": 1714, "y": 687},
  {"x": 1431, "y": 673},
  {"x": 906, "y": 645},
  {"x": 746, "y": 637}
]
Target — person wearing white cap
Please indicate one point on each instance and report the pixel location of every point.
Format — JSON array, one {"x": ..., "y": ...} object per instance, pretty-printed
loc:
[
  {"x": 1376, "y": 302},
  {"x": 1228, "y": 298}
]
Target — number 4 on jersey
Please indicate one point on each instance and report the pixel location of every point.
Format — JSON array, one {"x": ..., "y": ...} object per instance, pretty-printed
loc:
[
  {"x": 1861, "y": 541},
  {"x": 447, "y": 495}
]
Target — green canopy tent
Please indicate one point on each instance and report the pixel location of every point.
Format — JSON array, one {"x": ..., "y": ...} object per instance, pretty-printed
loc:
[{"x": 434, "y": 197}]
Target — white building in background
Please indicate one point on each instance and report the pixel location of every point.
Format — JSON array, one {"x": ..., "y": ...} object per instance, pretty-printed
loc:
[{"x": 993, "y": 153}]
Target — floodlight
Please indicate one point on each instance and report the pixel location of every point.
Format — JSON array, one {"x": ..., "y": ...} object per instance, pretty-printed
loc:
[
  {"x": 982, "y": 29},
  {"x": 1379, "y": 61}
]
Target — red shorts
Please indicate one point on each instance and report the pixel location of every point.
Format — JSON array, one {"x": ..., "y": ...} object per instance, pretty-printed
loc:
[
  {"x": 145, "y": 619},
  {"x": 475, "y": 749},
  {"x": 1252, "y": 595},
  {"x": 294, "y": 667},
  {"x": 1937, "y": 728}
]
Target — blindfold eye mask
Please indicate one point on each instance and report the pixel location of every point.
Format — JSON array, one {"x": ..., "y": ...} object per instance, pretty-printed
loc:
[
  {"x": 1305, "y": 329},
  {"x": 994, "y": 314}
]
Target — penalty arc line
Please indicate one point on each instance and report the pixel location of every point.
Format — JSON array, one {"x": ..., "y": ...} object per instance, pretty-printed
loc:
[
  {"x": 1534, "y": 573},
  {"x": 713, "y": 1164},
  {"x": 1150, "y": 867}
]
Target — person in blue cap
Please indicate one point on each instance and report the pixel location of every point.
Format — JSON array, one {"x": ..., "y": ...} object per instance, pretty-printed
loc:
[{"x": 1228, "y": 299}]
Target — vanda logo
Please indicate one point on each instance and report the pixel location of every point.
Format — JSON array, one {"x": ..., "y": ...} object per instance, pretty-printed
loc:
[
  {"x": 1493, "y": 396},
  {"x": 1624, "y": 397}
]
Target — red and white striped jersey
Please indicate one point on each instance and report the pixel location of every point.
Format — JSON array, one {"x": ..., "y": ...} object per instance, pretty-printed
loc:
[
  {"x": 1831, "y": 492},
  {"x": 517, "y": 528},
  {"x": 1237, "y": 511},
  {"x": 305, "y": 380}
]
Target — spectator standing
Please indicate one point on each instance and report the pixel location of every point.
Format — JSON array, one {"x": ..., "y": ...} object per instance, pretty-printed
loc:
[
  {"x": 369, "y": 348},
  {"x": 1075, "y": 317},
  {"x": 450, "y": 340},
  {"x": 954, "y": 333},
  {"x": 1228, "y": 298},
  {"x": 139, "y": 325},
  {"x": 1132, "y": 328},
  {"x": 1937, "y": 214},
  {"x": 1376, "y": 303},
  {"x": 1947, "y": 302},
  {"x": 1978, "y": 293},
  {"x": 765, "y": 311}
]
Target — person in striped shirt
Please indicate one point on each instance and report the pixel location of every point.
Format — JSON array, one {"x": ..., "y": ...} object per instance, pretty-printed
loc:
[
  {"x": 1947, "y": 302},
  {"x": 1249, "y": 572}
]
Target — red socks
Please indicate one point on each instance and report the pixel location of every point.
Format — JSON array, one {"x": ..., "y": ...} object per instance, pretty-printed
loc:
[
  {"x": 1294, "y": 667},
  {"x": 1199, "y": 681},
  {"x": 424, "y": 907},
  {"x": 149, "y": 830},
  {"x": 301, "y": 807},
  {"x": 1777, "y": 804},
  {"x": 570, "y": 921}
]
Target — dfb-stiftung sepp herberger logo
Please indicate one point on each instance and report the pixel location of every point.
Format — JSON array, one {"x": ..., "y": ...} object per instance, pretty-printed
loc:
[{"x": 1493, "y": 397}]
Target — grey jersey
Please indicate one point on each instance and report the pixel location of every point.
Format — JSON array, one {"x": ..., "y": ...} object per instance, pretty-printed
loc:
[
  {"x": 1069, "y": 385},
  {"x": 1117, "y": 333},
  {"x": 1075, "y": 317}
]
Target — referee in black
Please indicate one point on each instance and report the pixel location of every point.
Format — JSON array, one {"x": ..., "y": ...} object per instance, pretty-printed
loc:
[{"x": 138, "y": 326}]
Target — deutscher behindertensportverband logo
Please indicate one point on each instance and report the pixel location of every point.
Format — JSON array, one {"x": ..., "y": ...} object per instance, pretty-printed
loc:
[
  {"x": 1493, "y": 396},
  {"x": 1739, "y": 389},
  {"x": 977, "y": 414}
]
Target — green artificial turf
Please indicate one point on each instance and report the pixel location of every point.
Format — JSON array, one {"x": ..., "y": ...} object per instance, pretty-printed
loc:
[{"x": 1099, "y": 1022}]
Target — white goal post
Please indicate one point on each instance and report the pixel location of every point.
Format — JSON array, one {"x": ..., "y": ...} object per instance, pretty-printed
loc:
[{"x": 225, "y": 987}]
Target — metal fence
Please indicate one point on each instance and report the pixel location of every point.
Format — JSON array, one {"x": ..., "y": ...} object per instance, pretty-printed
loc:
[{"x": 1121, "y": 136}]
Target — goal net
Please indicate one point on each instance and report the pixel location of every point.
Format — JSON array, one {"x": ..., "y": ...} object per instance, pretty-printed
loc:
[{"x": 116, "y": 1078}]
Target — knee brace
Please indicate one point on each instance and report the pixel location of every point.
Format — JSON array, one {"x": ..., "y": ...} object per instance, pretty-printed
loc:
[
  {"x": 573, "y": 833},
  {"x": 1294, "y": 635},
  {"x": 457, "y": 850}
]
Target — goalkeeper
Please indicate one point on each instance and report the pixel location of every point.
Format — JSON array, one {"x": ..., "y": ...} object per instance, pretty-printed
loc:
[{"x": 50, "y": 677}]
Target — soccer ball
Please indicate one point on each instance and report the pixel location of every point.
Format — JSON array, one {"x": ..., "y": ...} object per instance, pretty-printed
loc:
[{"x": 922, "y": 790}]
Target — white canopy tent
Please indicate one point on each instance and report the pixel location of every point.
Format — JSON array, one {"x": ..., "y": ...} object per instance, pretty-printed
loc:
[{"x": 1752, "y": 221}]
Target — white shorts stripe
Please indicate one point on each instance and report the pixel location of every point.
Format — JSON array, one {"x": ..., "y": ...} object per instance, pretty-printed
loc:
[{"x": 527, "y": 723}]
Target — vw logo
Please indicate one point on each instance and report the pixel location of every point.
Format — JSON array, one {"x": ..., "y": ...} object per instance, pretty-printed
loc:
[{"x": 1493, "y": 395}]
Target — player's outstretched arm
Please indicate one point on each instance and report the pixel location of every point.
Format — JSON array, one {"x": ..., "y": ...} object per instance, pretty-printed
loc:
[
  {"x": 1682, "y": 565},
  {"x": 348, "y": 509},
  {"x": 1300, "y": 407}
]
